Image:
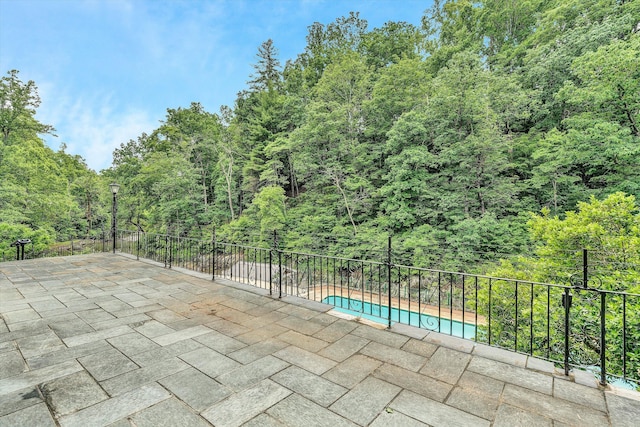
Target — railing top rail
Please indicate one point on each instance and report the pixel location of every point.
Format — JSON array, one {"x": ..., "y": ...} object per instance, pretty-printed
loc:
[
  {"x": 242, "y": 246},
  {"x": 481, "y": 276},
  {"x": 336, "y": 257}
]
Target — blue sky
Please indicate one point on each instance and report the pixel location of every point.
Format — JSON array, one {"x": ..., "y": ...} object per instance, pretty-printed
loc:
[{"x": 107, "y": 70}]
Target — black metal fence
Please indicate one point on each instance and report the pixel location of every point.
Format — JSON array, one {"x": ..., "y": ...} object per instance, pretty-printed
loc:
[
  {"x": 573, "y": 325},
  {"x": 72, "y": 247}
]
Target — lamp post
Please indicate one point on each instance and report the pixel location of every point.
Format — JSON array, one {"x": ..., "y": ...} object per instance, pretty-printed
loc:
[{"x": 114, "y": 212}]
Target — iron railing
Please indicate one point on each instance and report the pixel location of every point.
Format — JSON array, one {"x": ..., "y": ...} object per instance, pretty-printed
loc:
[
  {"x": 76, "y": 246},
  {"x": 572, "y": 325}
]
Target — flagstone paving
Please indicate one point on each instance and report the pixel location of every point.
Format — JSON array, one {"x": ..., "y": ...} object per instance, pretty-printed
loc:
[{"x": 104, "y": 339}]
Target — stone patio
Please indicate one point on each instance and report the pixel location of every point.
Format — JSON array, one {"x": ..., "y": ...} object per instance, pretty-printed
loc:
[{"x": 104, "y": 339}]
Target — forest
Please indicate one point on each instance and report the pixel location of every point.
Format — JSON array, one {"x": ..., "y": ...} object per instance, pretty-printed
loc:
[{"x": 498, "y": 136}]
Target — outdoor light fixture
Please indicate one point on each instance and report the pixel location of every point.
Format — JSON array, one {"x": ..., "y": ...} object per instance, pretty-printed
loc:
[
  {"x": 114, "y": 188},
  {"x": 114, "y": 212}
]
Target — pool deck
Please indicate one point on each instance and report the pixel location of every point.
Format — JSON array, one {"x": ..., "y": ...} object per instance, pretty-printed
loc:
[{"x": 103, "y": 339}]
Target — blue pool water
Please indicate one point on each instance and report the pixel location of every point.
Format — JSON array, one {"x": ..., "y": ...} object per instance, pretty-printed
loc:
[{"x": 379, "y": 313}]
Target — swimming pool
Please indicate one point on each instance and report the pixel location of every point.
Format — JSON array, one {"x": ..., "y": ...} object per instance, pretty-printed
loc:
[{"x": 380, "y": 314}]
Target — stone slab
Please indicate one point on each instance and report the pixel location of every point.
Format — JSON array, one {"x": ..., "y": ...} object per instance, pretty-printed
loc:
[
  {"x": 473, "y": 403},
  {"x": 298, "y": 411},
  {"x": 220, "y": 342},
  {"x": 380, "y": 336},
  {"x": 384, "y": 353},
  {"x": 132, "y": 320},
  {"x": 434, "y": 413},
  {"x": 344, "y": 348},
  {"x": 315, "y": 388},
  {"x": 107, "y": 364},
  {"x": 69, "y": 328},
  {"x": 293, "y": 323},
  {"x": 303, "y": 341},
  {"x": 364, "y": 402},
  {"x": 446, "y": 365},
  {"x": 418, "y": 383},
  {"x": 481, "y": 384},
  {"x": 138, "y": 377},
  {"x": 247, "y": 375},
  {"x": 11, "y": 363},
  {"x": 336, "y": 330},
  {"x": 243, "y": 406},
  {"x": 499, "y": 354},
  {"x": 257, "y": 350},
  {"x": 36, "y": 415},
  {"x": 449, "y": 341},
  {"x": 153, "y": 328},
  {"x": 195, "y": 388},
  {"x": 116, "y": 408},
  {"x": 169, "y": 412},
  {"x": 132, "y": 344},
  {"x": 209, "y": 361},
  {"x": 511, "y": 374},
  {"x": 68, "y": 354},
  {"x": 263, "y": 420},
  {"x": 37, "y": 376},
  {"x": 623, "y": 412},
  {"x": 71, "y": 393},
  {"x": 409, "y": 331},
  {"x": 184, "y": 334},
  {"x": 18, "y": 400},
  {"x": 580, "y": 394},
  {"x": 154, "y": 356},
  {"x": 420, "y": 348},
  {"x": 510, "y": 416},
  {"x": 353, "y": 370},
  {"x": 20, "y": 316},
  {"x": 305, "y": 359},
  {"x": 96, "y": 336},
  {"x": 391, "y": 418},
  {"x": 557, "y": 409}
]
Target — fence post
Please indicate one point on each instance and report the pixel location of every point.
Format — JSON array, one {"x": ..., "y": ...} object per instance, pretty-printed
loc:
[
  {"x": 213, "y": 260},
  {"x": 566, "y": 303},
  {"x": 275, "y": 244},
  {"x": 603, "y": 333},
  {"x": 166, "y": 247},
  {"x": 138, "y": 235},
  {"x": 270, "y": 272},
  {"x": 389, "y": 277},
  {"x": 585, "y": 268}
]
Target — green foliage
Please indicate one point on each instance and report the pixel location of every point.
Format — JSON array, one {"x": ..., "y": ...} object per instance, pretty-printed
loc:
[
  {"x": 44, "y": 195},
  {"x": 9, "y": 233},
  {"x": 610, "y": 230},
  {"x": 18, "y": 104},
  {"x": 271, "y": 211}
]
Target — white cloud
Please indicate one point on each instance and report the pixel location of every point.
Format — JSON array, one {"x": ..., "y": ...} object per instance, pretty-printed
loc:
[{"x": 91, "y": 127}]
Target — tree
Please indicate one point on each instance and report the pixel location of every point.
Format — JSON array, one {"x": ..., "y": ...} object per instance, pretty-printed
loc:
[
  {"x": 391, "y": 43},
  {"x": 329, "y": 149},
  {"x": 267, "y": 74},
  {"x": 610, "y": 230},
  {"x": 271, "y": 210},
  {"x": 326, "y": 43},
  {"x": 18, "y": 104}
]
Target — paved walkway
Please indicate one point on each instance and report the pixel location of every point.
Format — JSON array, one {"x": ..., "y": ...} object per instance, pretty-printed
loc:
[{"x": 107, "y": 340}]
